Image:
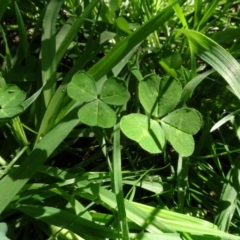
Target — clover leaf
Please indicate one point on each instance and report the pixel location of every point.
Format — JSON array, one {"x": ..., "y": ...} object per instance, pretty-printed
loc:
[
  {"x": 158, "y": 97},
  {"x": 95, "y": 111},
  {"x": 11, "y": 98},
  {"x": 145, "y": 131}
]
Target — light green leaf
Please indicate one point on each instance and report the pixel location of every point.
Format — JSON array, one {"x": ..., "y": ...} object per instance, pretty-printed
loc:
[
  {"x": 97, "y": 113},
  {"x": 122, "y": 25},
  {"x": 82, "y": 87},
  {"x": 3, "y": 231},
  {"x": 156, "y": 94},
  {"x": 145, "y": 131},
  {"x": 182, "y": 142},
  {"x": 10, "y": 99},
  {"x": 114, "y": 92},
  {"x": 11, "y": 112},
  {"x": 11, "y": 96},
  {"x": 187, "y": 120}
]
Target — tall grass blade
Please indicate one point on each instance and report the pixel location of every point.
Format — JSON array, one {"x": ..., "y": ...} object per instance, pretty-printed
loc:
[
  {"x": 48, "y": 50},
  {"x": 3, "y": 4},
  {"x": 17, "y": 178},
  {"x": 229, "y": 198},
  {"x": 117, "y": 177},
  {"x": 70, "y": 29},
  {"x": 121, "y": 49},
  {"x": 24, "y": 46},
  {"x": 209, "y": 9},
  {"x": 216, "y": 56}
]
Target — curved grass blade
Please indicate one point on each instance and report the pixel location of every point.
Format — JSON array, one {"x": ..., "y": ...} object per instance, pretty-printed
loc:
[
  {"x": 216, "y": 56},
  {"x": 227, "y": 118},
  {"x": 190, "y": 87}
]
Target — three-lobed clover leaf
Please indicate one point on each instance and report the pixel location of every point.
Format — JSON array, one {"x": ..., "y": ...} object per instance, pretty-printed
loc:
[
  {"x": 11, "y": 97},
  {"x": 158, "y": 97},
  {"x": 96, "y": 111}
]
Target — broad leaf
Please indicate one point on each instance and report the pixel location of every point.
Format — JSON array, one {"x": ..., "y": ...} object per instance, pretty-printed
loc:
[
  {"x": 82, "y": 87},
  {"x": 97, "y": 113},
  {"x": 3, "y": 231},
  {"x": 159, "y": 95},
  {"x": 10, "y": 99},
  {"x": 145, "y": 131},
  {"x": 187, "y": 120},
  {"x": 182, "y": 142},
  {"x": 114, "y": 92}
]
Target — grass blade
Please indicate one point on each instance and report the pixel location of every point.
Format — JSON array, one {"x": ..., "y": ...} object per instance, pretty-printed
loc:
[
  {"x": 216, "y": 56},
  {"x": 229, "y": 198},
  {"x": 49, "y": 49},
  {"x": 17, "y": 178},
  {"x": 117, "y": 177},
  {"x": 3, "y": 4},
  {"x": 24, "y": 46},
  {"x": 61, "y": 218}
]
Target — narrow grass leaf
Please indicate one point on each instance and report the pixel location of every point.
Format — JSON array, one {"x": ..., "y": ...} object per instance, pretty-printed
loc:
[
  {"x": 61, "y": 218},
  {"x": 31, "y": 99},
  {"x": 22, "y": 32},
  {"x": 227, "y": 118},
  {"x": 3, "y": 4},
  {"x": 141, "y": 218},
  {"x": 229, "y": 197},
  {"x": 123, "y": 48},
  {"x": 209, "y": 10},
  {"x": 70, "y": 29},
  {"x": 216, "y": 56},
  {"x": 118, "y": 186},
  {"x": 190, "y": 87},
  {"x": 228, "y": 35},
  {"x": 17, "y": 178},
  {"x": 48, "y": 50}
]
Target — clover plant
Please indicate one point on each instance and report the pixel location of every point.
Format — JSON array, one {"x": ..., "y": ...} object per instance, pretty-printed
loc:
[
  {"x": 95, "y": 110},
  {"x": 162, "y": 122}
]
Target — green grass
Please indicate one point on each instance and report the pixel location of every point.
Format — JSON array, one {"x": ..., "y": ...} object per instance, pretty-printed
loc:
[{"x": 63, "y": 179}]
